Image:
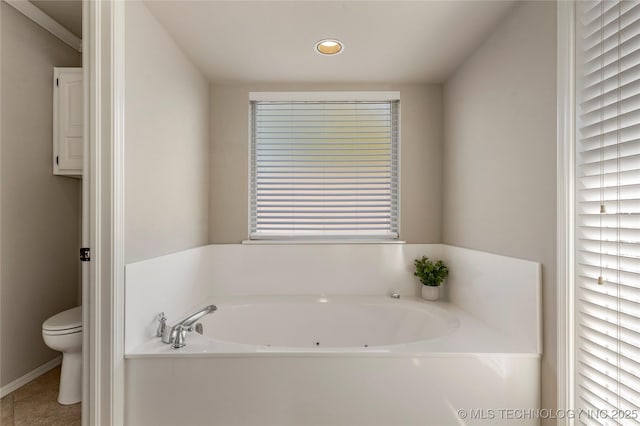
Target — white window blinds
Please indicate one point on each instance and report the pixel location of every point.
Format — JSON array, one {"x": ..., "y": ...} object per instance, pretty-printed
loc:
[
  {"x": 608, "y": 209},
  {"x": 324, "y": 169}
]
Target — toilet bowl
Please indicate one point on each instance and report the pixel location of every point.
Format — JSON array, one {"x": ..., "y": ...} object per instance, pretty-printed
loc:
[{"x": 63, "y": 332}]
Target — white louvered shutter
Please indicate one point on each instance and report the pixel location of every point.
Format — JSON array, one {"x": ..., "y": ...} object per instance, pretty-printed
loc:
[
  {"x": 608, "y": 210},
  {"x": 324, "y": 169}
]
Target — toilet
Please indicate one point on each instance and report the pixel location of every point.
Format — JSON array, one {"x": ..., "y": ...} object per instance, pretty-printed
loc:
[{"x": 63, "y": 332}]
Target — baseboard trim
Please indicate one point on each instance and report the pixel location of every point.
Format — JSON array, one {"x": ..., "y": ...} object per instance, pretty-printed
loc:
[{"x": 32, "y": 375}]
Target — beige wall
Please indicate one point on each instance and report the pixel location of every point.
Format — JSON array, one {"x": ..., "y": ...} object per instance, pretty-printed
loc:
[
  {"x": 421, "y": 153},
  {"x": 40, "y": 213},
  {"x": 500, "y": 154},
  {"x": 166, "y": 142}
]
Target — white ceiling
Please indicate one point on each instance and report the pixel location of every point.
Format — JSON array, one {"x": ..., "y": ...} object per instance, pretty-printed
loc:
[
  {"x": 272, "y": 41},
  {"x": 68, "y": 13}
]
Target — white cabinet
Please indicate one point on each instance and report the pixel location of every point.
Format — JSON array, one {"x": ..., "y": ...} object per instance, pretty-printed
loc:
[{"x": 68, "y": 117}]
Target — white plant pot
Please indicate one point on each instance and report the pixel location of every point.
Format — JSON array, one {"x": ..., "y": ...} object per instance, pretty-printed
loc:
[{"x": 430, "y": 292}]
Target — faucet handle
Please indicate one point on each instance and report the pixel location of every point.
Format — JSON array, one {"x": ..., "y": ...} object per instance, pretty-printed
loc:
[
  {"x": 179, "y": 341},
  {"x": 162, "y": 324}
]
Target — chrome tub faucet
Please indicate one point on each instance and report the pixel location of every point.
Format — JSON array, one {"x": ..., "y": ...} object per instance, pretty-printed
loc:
[{"x": 175, "y": 335}]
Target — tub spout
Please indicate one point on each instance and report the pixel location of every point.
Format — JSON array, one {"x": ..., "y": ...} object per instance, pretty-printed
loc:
[
  {"x": 193, "y": 318},
  {"x": 175, "y": 334}
]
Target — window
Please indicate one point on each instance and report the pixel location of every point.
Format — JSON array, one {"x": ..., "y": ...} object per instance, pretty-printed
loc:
[
  {"x": 324, "y": 165},
  {"x": 607, "y": 242}
]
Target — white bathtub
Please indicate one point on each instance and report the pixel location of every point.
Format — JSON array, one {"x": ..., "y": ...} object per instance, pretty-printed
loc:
[
  {"x": 327, "y": 323},
  {"x": 331, "y": 360}
]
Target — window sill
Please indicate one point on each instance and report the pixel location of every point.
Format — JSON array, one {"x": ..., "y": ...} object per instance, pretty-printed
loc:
[{"x": 311, "y": 241}]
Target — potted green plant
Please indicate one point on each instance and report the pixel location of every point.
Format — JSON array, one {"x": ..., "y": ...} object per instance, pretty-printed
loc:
[{"x": 431, "y": 275}]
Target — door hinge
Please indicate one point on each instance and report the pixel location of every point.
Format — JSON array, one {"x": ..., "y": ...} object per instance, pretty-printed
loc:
[{"x": 85, "y": 254}]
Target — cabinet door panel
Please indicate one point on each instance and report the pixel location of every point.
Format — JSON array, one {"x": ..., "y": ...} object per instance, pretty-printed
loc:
[{"x": 70, "y": 117}]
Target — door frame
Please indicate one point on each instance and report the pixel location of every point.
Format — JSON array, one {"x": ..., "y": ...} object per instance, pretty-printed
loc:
[
  {"x": 565, "y": 206},
  {"x": 103, "y": 213},
  {"x": 103, "y": 210}
]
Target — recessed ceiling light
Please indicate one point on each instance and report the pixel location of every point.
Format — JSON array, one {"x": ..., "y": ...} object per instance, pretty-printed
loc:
[{"x": 329, "y": 47}]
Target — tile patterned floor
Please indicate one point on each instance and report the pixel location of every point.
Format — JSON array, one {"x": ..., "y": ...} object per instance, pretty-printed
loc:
[{"x": 35, "y": 404}]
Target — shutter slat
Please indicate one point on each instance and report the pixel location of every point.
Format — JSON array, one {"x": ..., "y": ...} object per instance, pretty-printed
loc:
[
  {"x": 608, "y": 373},
  {"x": 609, "y": 57},
  {"x": 321, "y": 203},
  {"x": 594, "y": 29},
  {"x": 605, "y": 389},
  {"x": 621, "y": 255},
  {"x": 607, "y": 45},
  {"x": 316, "y": 194},
  {"x": 602, "y": 101},
  {"x": 610, "y": 87},
  {"x": 612, "y": 69},
  {"x": 589, "y": 289},
  {"x": 625, "y": 115},
  {"x": 608, "y": 114}
]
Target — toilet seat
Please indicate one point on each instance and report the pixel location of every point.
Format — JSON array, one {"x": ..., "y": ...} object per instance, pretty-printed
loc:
[
  {"x": 66, "y": 322},
  {"x": 62, "y": 332}
]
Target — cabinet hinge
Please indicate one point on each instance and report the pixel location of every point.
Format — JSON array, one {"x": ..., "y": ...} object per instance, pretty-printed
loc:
[{"x": 85, "y": 254}]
